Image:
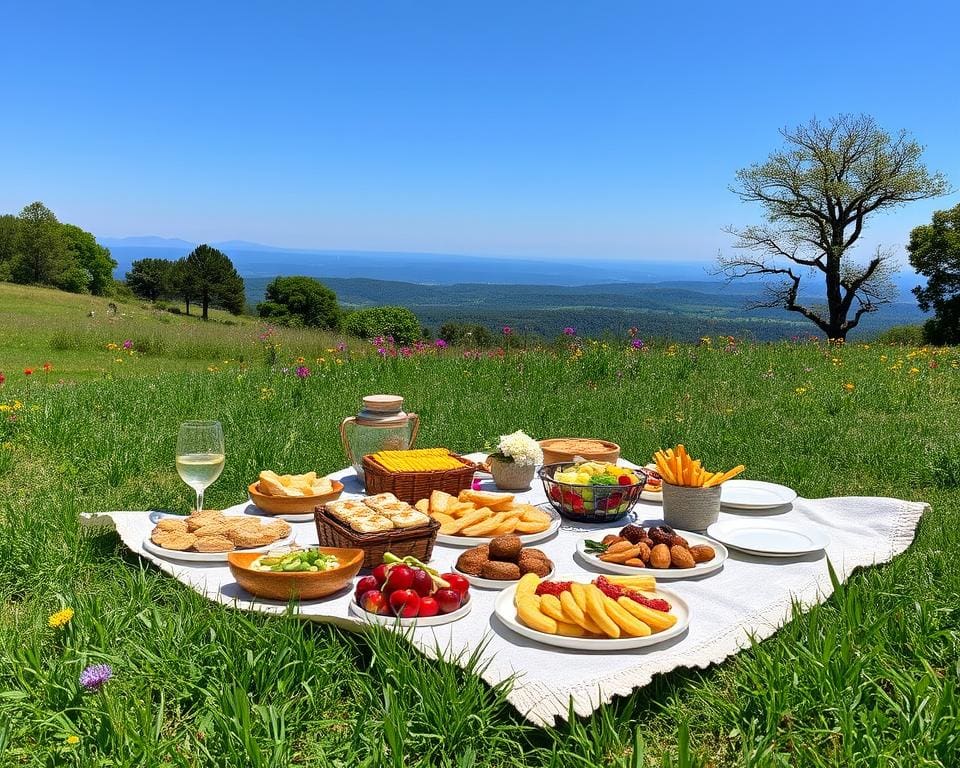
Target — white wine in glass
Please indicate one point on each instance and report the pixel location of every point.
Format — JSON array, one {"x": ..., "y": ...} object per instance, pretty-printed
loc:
[{"x": 200, "y": 455}]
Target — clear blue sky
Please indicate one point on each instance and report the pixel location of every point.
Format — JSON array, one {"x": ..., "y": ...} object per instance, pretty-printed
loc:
[{"x": 518, "y": 128}]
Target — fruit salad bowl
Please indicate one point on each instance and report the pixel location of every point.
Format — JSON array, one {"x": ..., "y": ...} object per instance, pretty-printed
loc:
[{"x": 571, "y": 490}]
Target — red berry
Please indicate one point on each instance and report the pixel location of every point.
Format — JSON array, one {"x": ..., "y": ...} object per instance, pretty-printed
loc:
[
  {"x": 405, "y": 603},
  {"x": 374, "y": 601},
  {"x": 380, "y": 573},
  {"x": 400, "y": 577},
  {"x": 428, "y": 607},
  {"x": 448, "y": 600},
  {"x": 624, "y": 480},
  {"x": 366, "y": 584},
  {"x": 422, "y": 583},
  {"x": 457, "y": 583}
]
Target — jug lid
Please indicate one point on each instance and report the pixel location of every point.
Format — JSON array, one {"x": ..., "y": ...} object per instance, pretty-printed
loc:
[{"x": 383, "y": 403}]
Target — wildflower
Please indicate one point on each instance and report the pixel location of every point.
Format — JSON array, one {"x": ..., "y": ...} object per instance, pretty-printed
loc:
[
  {"x": 883, "y": 358},
  {"x": 914, "y": 370},
  {"x": 301, "y": 360},
  {"x": 60, "y": 619},
  {"x": 4, "y": 408},
  {"x": 507, "y": 330},
  {"x": 568, "y": 331},
  {"x": 72, "y": 740},
  {"x": 28, "y": 371},
  {"x": 633, "y": 332},
  {"x": 341, "y": 347},
  {"x": 440, "y": 344},
  {"x": 128, "y": 344},
  {"x": 406, "y": 351},
  {"x": 636, "y": 343},
  {"x": 302, "y": 372},
  {"x": 849, "y": 386},
  {"x": 93, "y": 677},
  {"x": 47, "y": 367},
  {"x": 2, "y": 378},
  {"x": 800, "y": 390}
]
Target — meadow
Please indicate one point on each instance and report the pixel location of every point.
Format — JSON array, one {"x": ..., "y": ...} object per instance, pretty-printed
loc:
[{"x": 868, "y": 679}]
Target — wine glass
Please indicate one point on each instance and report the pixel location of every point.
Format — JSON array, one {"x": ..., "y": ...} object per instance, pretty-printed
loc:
[{"x": 200, "y": 455}]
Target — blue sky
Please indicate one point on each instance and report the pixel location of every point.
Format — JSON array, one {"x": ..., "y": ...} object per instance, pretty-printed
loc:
[{"x": 607, "y": 129}]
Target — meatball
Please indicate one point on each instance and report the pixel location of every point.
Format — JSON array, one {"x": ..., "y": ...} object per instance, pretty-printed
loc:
[
  {"x": 505, "y": 548},
  {"x": 501, "y": 571}
]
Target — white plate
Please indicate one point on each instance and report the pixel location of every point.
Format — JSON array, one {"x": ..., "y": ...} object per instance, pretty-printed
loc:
[
  {"x": 507, "y": 613},
  {"x": 693, "y": 539},
  {"x": 421, "y": 621},
  {"x": 481, "y": 583},
  {"x": 770, "y": 537},
  {"x": 253, "y": 509},
  {"x": 755, "y": 494},
  {"x": 208, "y": 557},
  {"x": 526, "y": 538}
]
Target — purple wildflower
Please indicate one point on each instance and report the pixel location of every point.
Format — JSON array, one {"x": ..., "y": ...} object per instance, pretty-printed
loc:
[
  {"x": 637, "y": 343},
  {"x": 440, "y": 344},
  {"x": 302, "y": 371},
  {"x": 568, "y": 331},
  {"x": 93, "y": 677},
  {"x": 341, "y": 347},
  {"x": 381, "y": 351},
  {"x": 128, "y": 344},
  {"x": 507, "y": 330},
  {"x": 406, "y": 351}
]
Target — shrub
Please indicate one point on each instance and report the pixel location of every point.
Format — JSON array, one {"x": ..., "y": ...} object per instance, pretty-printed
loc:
[
  {"x": 300, "y": 301},
  {"x": 398, "y": 322},
  {"x": 911, "y": 335}
]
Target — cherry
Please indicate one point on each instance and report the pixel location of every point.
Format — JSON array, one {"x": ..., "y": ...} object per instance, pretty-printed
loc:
[
  {"x": 447, "y": 599},
  {"x": 458, "y": 583},
  {"x": 380, "y": 573},
  {"x": 428, "y": 607},
  {"x": 422, "y": 583},
  {"x": 366, "y": 584},
  {"x": 400, "y": 577},
  {"x": 405, "y": 603},
  {"x": 374, "y": 601}
]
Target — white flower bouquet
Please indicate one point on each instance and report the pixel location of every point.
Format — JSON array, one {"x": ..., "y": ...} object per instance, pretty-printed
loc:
[{"x": 518, "y": 448}]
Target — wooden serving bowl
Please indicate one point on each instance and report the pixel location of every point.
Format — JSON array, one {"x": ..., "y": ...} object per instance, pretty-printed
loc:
[
  {"x": 555, "y": 453},
  {"x": 301, "y": 585},
  {"x": 292, "y": 505}
]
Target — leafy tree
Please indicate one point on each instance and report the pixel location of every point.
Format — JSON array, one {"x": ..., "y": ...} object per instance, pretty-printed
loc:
[
  {"x": 304, "y": 298},
  {"x": 41, "y": 251},
  {"x": 9, "y": 235},
  {"x": 210, "y": 277},
  {"x": 817, "y": 193},
  {"x": 935, "y": 253},
  {"x": 466, "y": 334},
  {"x": 151, "y": 279},
  {"x": 398, "y": 322},
  {"x": 90, "y": 256}
]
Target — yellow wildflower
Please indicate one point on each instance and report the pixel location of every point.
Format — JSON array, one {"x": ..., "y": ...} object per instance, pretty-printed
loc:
[
  {"x": 883, "y": 358},
  {"x": 72, "y": 739},
  {"x": 914, "y": 370},
  {"x": 4, "y": 408},
  {"x": 800, "y": 390},
  {"x": 849, "y": 386},
  {"x": 60, "y": 619},
  {"x": 17, "y": 405}
]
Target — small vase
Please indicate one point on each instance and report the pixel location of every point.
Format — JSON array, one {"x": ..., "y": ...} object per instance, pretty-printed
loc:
[{"x": 510, "y": 476}]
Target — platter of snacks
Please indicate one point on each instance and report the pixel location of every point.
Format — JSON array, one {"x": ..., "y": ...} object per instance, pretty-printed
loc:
[
  {"x": 476, "y": 517},
  {"x": 293, "y": 573},
  {"x": 502, "y": 562},
  {"x": 755, "y": 495},
  {"x": 208, "y": 536},
  {"x": 769, "y": 537},
  {"x": 411, "y": 593},
  {"x": 376, "y": 524},
  {"x": 609, "y": 613},
  {"x": 672, "y": 554},
  {"x": 591, "y": 491},
  {"x": 292, "y": 497}
]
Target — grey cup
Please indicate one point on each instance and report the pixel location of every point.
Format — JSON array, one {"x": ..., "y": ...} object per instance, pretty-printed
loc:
[{"x": 690, "y": 509}]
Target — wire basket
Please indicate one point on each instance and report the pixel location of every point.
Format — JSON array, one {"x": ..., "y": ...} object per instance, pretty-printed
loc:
[{"x": 589, "y": 503}]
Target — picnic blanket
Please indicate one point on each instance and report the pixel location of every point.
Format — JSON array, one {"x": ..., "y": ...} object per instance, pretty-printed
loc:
[{"x": 749, "y": 597}]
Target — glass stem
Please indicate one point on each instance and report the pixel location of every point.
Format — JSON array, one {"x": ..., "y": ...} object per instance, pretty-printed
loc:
[{"x": 200, "y": 500}]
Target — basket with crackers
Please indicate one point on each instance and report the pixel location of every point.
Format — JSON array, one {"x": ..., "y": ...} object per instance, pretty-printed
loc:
[
  {"x": 414, "y": 474},
  {"x": 473, "y": 515},
  {"x": 376, "y": 524}
]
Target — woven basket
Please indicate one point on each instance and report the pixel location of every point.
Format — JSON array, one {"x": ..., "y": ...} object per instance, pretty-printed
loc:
[
  {"x": 690, "y": 509},
  {"x": 400, "y": 541},
  {"x": 413, "y": 486}
]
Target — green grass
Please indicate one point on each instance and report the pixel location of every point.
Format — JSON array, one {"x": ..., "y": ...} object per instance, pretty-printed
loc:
[{"x": 868, "y": 679}]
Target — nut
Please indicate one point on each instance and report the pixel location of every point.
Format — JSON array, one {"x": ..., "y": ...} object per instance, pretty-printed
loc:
[
  {"x": 702, "y": 553},
  {"x": 681, "y": 557},
  {"x": 611, "y": 538},
  {"x": 679, "y": 541},
  {"x": 644, "y": 552},
  {"x": 660, "y": 556}
]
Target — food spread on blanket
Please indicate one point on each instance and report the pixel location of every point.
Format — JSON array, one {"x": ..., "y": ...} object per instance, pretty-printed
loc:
[
  {"x": 660, "y": 547},
  {"x": 483, "y": 513},
  {"x": 408, "y": 588},
  {"x": 297, "y": 561},
  {"x": 677, "y": 468},
  {"x": 211, "y": 531},
  {"x": 607, "y": 607},
  {"x": 308, "y": 484},
  {"x": 504, "y": 559},
  {"x": 375, "y": 514}
]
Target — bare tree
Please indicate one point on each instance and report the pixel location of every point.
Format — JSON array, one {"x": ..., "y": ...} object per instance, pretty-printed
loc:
[{"x": 817, "y": 193}]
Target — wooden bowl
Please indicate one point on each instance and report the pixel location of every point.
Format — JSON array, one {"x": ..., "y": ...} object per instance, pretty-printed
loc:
[
  {"x": 554, "y": 452},
  {"x": 303, "y": 585},
  {"x": 292, "y": 505}
]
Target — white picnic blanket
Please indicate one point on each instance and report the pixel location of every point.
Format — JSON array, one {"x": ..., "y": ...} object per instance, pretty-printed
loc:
[{"x": 750, "y": 596}]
